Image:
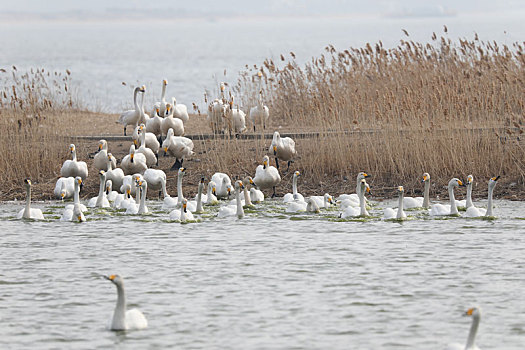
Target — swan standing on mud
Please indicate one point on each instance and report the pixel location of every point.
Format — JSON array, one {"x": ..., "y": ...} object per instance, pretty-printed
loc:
[
  {"x": 100, "y": 160},
  {"x": 72, "y": 167},
  {"x": 160, "y": 106},
  {"x": 179, "y": 147},
  {"x": 134, "y": 162},
  {"x": 132, "y": 117},
  {"x": 260, "y": 113},
  {"x": 282, "y": 148},
  {"x": 170, "y": 122},
  {"x": 123, "y": 319},
  {"x": 28, "y": 212},
  {"x": 267, "y": 176}
]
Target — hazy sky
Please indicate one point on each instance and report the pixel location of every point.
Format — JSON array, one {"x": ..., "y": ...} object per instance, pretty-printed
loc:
[{"x": 244, "y": 7}]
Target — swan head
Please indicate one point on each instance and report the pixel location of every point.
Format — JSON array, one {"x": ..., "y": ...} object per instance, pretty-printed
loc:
[
  {"x": 426, "y": 177},
  {"x": 102, "y": 175},
  {"x": 222, "y": 87},
  {"x": 249, "y": 180},
  {"x": 211, "y": 184},
  {"x": 109, "y": 186},
  {"x": 362, "y": 175},
  {"x": 72, "y": 148},
  {"x": 78, "y": 180},
  {"x": 102, "y": 144},
  {"x": 143, "y": 88},
  {"x": 493, "y": 181},
  {"x": 470, "y": 179},
  {"x": 239, "y": 185},
  {"x": 181, "y": 171},
  {"x": 329, "y": 198},
  {"x": 259, "y": 74},
  {"x": 400, "y": 189},
  {"x": 296, "y": 174},
  {"x": 266, "y": 162},
  {"x": 474, "y": 312},
  {"x": 185, "y": 205},
  {"x": 137, "y": 178},
  {"x": 229, "y": 189},
  {"x": 274, "y": 150},
  {"x": 455, "y": 182},
  {"x": 115, "y": 279},
  {"x": 142, "y": 127},
  {"x": 165, "y": 82}
]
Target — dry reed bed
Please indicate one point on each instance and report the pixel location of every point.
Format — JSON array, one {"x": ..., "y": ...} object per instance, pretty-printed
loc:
[{"x": 450, "y": 109}]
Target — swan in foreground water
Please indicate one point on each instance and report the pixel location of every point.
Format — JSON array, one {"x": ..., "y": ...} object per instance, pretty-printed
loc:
[
  {"x": 211, "y": 198},
  {"x": 28, "y": 212},
  {"x": 132, "y": 117},
  {"x": 475, "y": 313},
  {"x": 234, "y": 210},
  {"x": 175, "y": 202},
  {"x": 182, "y": 214},
  {"x": 75, "y": 212},
  {"x": 351, "y": 211},
  {"x": 72, "y": 167},
  {"x": 419, "y": 202},
  {"x": 64, "y": 188},
  {"x": 451, "y": 209},
  {"x": 100, "y": 201},
  {"x": 311, "y": 206},
  {"x": 282, "y": 148},
  {"x": 473, "y": 212},
  {"x": 390, "y": 213},
  {"x": 222, "y": 183},
  {"x": 324, "y": 201},
  {"x": 110, "y": 194},
  {"x": 123, "y": 319},
  {"x": 289, "y": 197},
  {"x": 267, "y": 176}
]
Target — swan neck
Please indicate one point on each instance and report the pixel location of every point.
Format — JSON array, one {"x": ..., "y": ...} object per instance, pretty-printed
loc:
[
  {"x": 294, "y": 186},
  {"x": 400, "y": 205},
  {"x": 101, "y": 191},
  {"x": 74, "y": 155},
  {"x": 163, "y": 94},
  {"x": 143, "y": 139},
  {"x": 472, "y": 334},
  {"x": 240, "y": 211},
  {"x": 135, "y": 103},
  {"x": 426, "y": 196},
  {"x": 76, "y": 199},
  {"x": 199, "y": 197},
  {"x": 453, "y": 207},
  {"x": 27, "y": 212},
  {"x": 119, "y": 315},
  {"x": 362, "y": 203},
  {"x": 469, "y": 196},
  {"x": 142, "y": 205},
  {"x": 247, "y": 199},
  {"x": 179, "y": 190},
  {"x": 164, "y": 191},
  {"x": 489, "y": 204}
]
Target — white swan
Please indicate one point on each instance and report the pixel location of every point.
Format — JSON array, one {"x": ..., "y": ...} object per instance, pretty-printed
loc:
[
  {"x": 100, "y": 201},
  {"x": 200, "y": 197},
  {"x": 296, "y": 206},
  {"x": 151, "y": 140},
  {"x": 182, "y": 214},
  {"x": 75, "y": 212},
  {"x": 132, "y": 117},
  {"x": 142, "y": 189},
  {"x": 256, "y": 195},
  {"x": 282, "y": 148},
  {"x": 260, "y": 113},
  {"x": 160, "y": 106},
  {"x": 151, "y": 157},
  {"x": 267, "y": 176},
  {"x": 211, "y": 198},
  {"x": 236, "y": 118},
  {"x": 129, "y": 180},
  {"x": 473, "y": 212},
  {"x": 451, "y": 209},
  {"x": 475, "y": 313},
  {"x": 470, "y": 181},
  {"x": 100, "y": 160},
  {"x": 153, "y": 124},
  {"x": 64, "y": 188},
  {"x": 28, "y": 212},
  {"x": 352, "y": 199},
  {"x": 246, "y": 200},
  {"x": 110, "y": 194},
  {"x": 179, "y": 147},
  {"x": 134, "y": 163},
  {"x": 156, "y": 180},
  {"x": 419, "y": 202},
  {"x": 324, "y": 201},
  {"x": 144, "y": 117},
  {"x": 289, "y": 197},
  {"x": 116, "y": 175},
  {"x": 171, "y": 202},
  {"x": 234, "y": 210},
  {"x": 222, "y": 183},
  {"x": 72, "y": 167},
  {"x": 351, "y": 211},
  {"x": 123, "y": 319},
  {"x": 180, "y": 111},
  {"x": 390, "y": 213},
  {"x": 123, "y": 201},
  {"x": 311, "y": 205},
  {"x": 170, "y": 122}
]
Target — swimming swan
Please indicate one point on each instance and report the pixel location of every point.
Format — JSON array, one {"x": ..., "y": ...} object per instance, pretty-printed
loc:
[
  {"x": 175, "y": 202},
  {"x": 182, "y": 214},
  {"x": 473, "y": 212},
  {"x": 64, "y": 188},
  {"x": 72, "y": 167},
  {"x": 324, "y": 201},
  {"x": 116, "y": 175},
  {"x": 470, "y": 181},
  {"x": 419, "y": 202},
  {"x": 266, "y": 176},
  {"x": 390, "y": 213},
  {"x": 110, "y": 194},
  {"x": 452, "y": 209},
  {"x": 211, "y": 198},
  {"x": 132, "y": 117},
  {"x": 123, "y": 319},
  {"x": 475, "y": 313},
  {"x": 222, "y": 183},
  {"x": 28, "y": 212},
  {"x": 75, "y": 212},
  {"x": 76, "y": 196},
  {"x": 234, "y": 210},
  {"x": 282, "y": 148},
  {"x": 351, "y": 211},
  {"x": 289, "y": 197},
  {"x": 311, "y": 206},
  {"x": 100, "y": 201}
]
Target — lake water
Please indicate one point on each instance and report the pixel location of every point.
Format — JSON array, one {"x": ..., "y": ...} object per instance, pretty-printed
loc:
[
  {"x": 193, "y": 53},
  {"x": 269, "y": 281}
]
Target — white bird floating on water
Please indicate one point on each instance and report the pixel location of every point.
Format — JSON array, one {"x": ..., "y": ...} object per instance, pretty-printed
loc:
[
  {"x": 234, "y": 210},
  {"x": 451, "y": 209},
  {"x": 222, "y": 184},
  {"x": 175, "y": 202},
  {"x": 351, "y": 211},
  {"x": 390, "y": 213},
  {"x": 100, "y": 201},
  {"x": 475, "y": 313},
  {"x": 473, "y": 212},
  {"x": 64, "y": 188},
  {"x": 75, "y": 212},
  {"x": 28, "y": 212},
  {"x": 182, "y": 214},
  {"x": 419, "y": 202},
  {"x": 123, "y": 319},
  {"x": 289, "y": 197}
]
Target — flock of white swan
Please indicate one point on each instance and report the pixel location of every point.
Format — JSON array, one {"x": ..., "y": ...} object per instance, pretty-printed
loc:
[{"x": 125, "y": 188}]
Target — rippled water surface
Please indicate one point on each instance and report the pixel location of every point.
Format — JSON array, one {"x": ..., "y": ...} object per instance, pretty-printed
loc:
[{"x": 269, "y": 281}]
